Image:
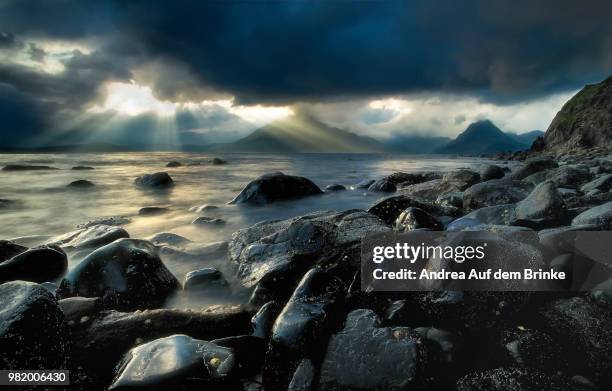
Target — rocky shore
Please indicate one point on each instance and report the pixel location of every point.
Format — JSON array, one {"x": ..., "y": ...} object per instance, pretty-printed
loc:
[{"x": 307, "y": 324}]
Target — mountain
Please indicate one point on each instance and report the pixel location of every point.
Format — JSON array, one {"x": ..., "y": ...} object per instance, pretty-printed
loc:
[
  {"x": 414, "y": 144},
  {"x": 301, "y": 133},
  {"x": 526, "y": 138},
  {"x": 481, "y": 137},
  {"x": 585, "y": 121}
]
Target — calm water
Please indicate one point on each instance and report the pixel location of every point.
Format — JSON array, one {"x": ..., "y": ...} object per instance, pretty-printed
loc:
[{"x": 49, "y": 208}]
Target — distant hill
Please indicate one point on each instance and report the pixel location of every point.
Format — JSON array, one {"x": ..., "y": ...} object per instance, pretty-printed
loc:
[
  {"x": 481, "y": 137},
  {"x": 414, "y": 144},
  {"x": 301, "y": 133},
  {"x": 526, "y": 138},
  {"x": 585, "y": 121}
]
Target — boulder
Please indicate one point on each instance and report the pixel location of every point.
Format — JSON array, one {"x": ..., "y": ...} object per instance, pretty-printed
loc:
[
  {"x": 494, "y": 192},
  {"x": 274, "y": 245},
  {"x": 208, "y": 221},
  {"x": 543, "y": 207},
  {"x": 454, "y": 199},
  {"x": 416, "y": 218},
  {"x": 275, "y": 187},
  {"x": 174, "y": 362},
  {"x": 491, "y": 171},
  {"x": 40, "y": 264},
  {"x": 127, "y": 272},
  {"x": 519, "y": 379},
  {"x": 532, "y": 166},
  {"x": 33, "y": 332},
  {"x": 497, "y": 215},
  {"x": 583, "y": 329},
  {"x": 152, "y": 211},
  {"x": 571, "y": 175},
  {"x": 461, "y": 179},
  {"x": 91, "y": 237},
  {"x": 206, "y": 279},
  {"x": 600, "y": 215},
  {"x": 429, "y": 190},
  {"x": 365, "y": 356},
  {"x": 364, "y": 184},
  {"x": 304, "y": 377},
  {"x": 9, "y": 249},
  {"x": 602, "y": 183},
  {"x": 81, "y": 184},
  {"x": 157, "y": 180},
  {"x": 263, "y": 320},
  {"x": 384, "y": 185},
  {"x": 174, "y": 163},
  {"x": 75, "y": 308},
  {"x": 388, "y": 209}
]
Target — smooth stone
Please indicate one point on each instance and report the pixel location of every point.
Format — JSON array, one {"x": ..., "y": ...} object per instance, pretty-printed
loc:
[
  {"x": 168, "y": 239},
  {"x": 75, "y": 308},
  {"x": 24, "y": 167},
  {"x": 156, "y": 180},
  {"x": 494, "y": 192},
  {"x": 532, "y": 166},
  {"x": 388, "y": 209},
  {"x": 8, "y": 249},
  {"x": 152, "y": 211},
  {"x": 204, "y": 220},
  {"x": 113, "y": 221},
  {"x": 600, "y": 215},
  {"x": 36, "y": 265},
  {"x": 603, "y": 183},
  {"x": 89, "y": 238},
  {"x": 461, "y": 179},
  {"x": 430, "y": 190},
  {"x": 384, "y": 185},
  {"x": 416, "y": 218},
  {"x": 276, "y": 187},
  {"x": 454, "y": 199},
  {"x": 206, "y": 279},
  {"x": 543, "y": 204},
  {"x": 304, "y": 377},
  {"x": 364, "y": 184},
  {"x": 569, "y": 175},
  {"x": 335, "y": 187},
  {"x": 263, "y": 320},
  {"x": 203, "y": 208},
  {"x": 81, "y": 184},
  {"x": 498, "y": 215},
  {"x": 248, "y": 351},
  {"x": 127, "y": 272},
  {"x": 33, "y": 331},
  {"x": 174, "y": 164},
  {"x": 491, "y": 171}
]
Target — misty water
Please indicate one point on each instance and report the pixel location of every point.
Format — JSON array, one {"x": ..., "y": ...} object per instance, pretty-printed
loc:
[{"x": 48, "y": 208}]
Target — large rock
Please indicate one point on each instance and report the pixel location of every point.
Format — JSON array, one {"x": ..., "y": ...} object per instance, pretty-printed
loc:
[
  {"x": 603, "y": 183},
  {"x": 265, "y": 247},
  {"x": 90, "y": 237},
  {"x": 494, "y": 192},
  {"x": 491, "y": 171},
  {"x": 416, "y": 218},
  {"x": 583, "y": 328},
  {"x": 365, "y": 356},
  {"x": 532, "y": 166},
  {"x": 461, "y": 179},
  {"x": 127, "y": 272},
  {"x": 497, "y": 215},
  {"x": 584, "y": 121},
  {"x": 384, "y": 185},
  {"x": 37, "y": 265},
  {"x": 275, "y": 187},
  {"x": 570, "y": 175},
  {"x": 157, "y": 180},
  {"x": 516, "y": 379},
  {"x": 33, "y": 332},
  {"x": 207, "y": 279},
  {"x": 388, "y": 209},
  {"x": 429, "y": 190},
  {"x": 9, "y": 249},
  {"x": 176, "y": 361},
  {"x": 600, "y": 215},
  {"x": 544, "y": 206}
]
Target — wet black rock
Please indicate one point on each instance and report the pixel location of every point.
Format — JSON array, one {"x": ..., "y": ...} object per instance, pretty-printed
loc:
[
  {"x": 302, "y": 327},
  {"x": 583, "y": 329},
  {"x": 532, "y": 166},
  {"x": 91, "y": 237},
  {"x": 516, "y": 379},
  {"x": 275, "y": 187},
  {"x": 534, "y": 349},
  {"x": 335, "y": 187},
  {"x": 206, "y": 279},
  {"x": 570, "y": 175},
  {"x": 174, "y": 362},
  {"x": 365, "y": 356},
  {"x": 152, "y": 210},
  {"x": 384, "y": 185},
  {"x": 127, "y": 272},
  {"x": 208, "y": 221},
  {"x": 454, "y": 199},
  {"x": 81, "y": 184},
  {"x": 600, "y": 215},
  {"x": 416, "y": 218},
  {"x": 364, "y": 184},
  {"x": 263, "y": 320},
  {"x": 23, "y": 167},
  {"x": 216, "y": 161},
  {"x": 494, "y": 192},
  {"x": 9, "y": 249},
  {"x": 75, "y": 308},
  {"x": 304, "y": 377},
  {"x": 40, "y": 264},
  {"x": 496, "y": 215},
  {"x": 156, "y": 180},
  {"x": 543, "y": 207},
  {"x": 603, "y": 184},
  {"x": 174, "y": 163},
  {"x": 491, "y": 171},
  {"x": 388, "y": 209},
  {"x": 33, "y": 332},
  {"x": 82, "y": 168},
  {"x": 461, "y": 179},
  {"x": 5, "y": 203},
  {"x": 102, "y": 341},
  {"x": 248, "y": 352}
]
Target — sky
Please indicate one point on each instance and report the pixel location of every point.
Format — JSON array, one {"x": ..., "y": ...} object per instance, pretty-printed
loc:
[{"x": 162, "y": 73}]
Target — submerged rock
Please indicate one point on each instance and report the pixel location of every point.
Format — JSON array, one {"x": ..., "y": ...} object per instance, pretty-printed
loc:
[
  {"x": 416, "y": 218},
  {"x": 275, "y": 187},
  {"x": 335, "y": 187},
  {"x": 152, "y": 210},
  {"x": 384, "y": 185},
  {"x": 364, "y": 184},
  {"x": 127, "y": 272},
  {"x": 90, "y": 237},
  {"x": 203, "y": 208},
  {"x": 206, "y": 279},
  {"x": 82, "y": 168},
  {"x": 216, "y": 161},
  {"x": 24, "y": 167},
  {"x": 156, "y": 180},
  {"x": 37, "y": 265},
  {"x": 174, "y": 163},
  {"x": 204, "y": 220},
  {"x": 33, "y": 331},
  {"x": 365, "y": 356},
  {"x": 81, "y": 184},
  {"x": 494, "y": 192}
]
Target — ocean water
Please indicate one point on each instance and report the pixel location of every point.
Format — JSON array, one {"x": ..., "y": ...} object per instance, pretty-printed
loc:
[{"x": 48, "y": 208}]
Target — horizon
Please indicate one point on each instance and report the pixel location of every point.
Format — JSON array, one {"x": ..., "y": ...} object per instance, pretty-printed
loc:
[{"x": 221, "y": 71}]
